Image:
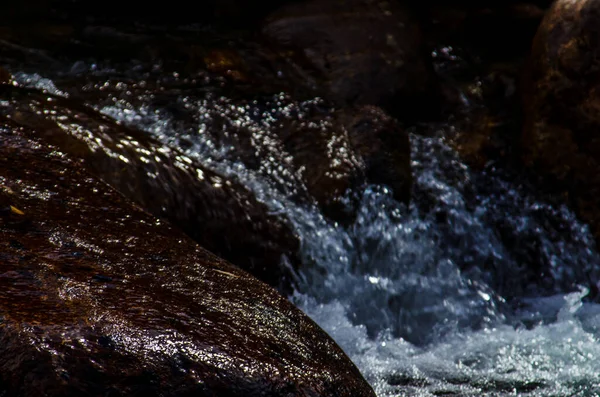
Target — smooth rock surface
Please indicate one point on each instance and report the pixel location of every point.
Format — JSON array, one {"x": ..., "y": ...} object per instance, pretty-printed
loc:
[{"x": 98, "y": 298}]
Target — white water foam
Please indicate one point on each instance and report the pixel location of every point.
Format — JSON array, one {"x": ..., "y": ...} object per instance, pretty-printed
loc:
[{"x": 557, "y": 359}]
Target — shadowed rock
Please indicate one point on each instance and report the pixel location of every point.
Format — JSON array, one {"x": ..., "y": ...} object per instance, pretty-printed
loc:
[
  {"x": 384, "y": 147},
  {"x": 561, "y": 140},
  {"x": 221, "y": 215},
  {"x": 357, "y": 52},
  {"x": 346, "y": 150},
  {"x": 98, "y": 298}
]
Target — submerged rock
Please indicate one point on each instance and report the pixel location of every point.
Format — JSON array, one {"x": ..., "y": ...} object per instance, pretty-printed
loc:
[
  {"x": 98, "y": 298},
  {"x": 561, "y": 143},
  {"x": 357, "y": 52},
  {"x": 223, "y": 216}
]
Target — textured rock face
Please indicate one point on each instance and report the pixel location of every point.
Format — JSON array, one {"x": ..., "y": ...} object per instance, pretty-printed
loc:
[
  {"x": 221, "y": 215},
  {"x": 560, "y": 138},
  {"x": 329, "y": 43},
  {"x": 98, "y": 298}
]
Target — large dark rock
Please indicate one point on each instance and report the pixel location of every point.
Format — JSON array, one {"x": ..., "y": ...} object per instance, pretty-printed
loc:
[
  {"x": 561, "y": 140},
  {"x": 223, "y": 216},
  {"x": 341, "y": 152},
  {"x": 98, "y": 298},
  {"x": 383, "y": 146},
  {"x": 357, "y": 52}
]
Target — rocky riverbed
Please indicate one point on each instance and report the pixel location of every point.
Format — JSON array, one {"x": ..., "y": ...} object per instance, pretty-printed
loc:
[{"x": 417, "y": 177}]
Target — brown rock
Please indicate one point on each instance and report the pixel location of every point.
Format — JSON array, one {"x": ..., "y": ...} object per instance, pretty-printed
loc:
[
  {"x": 223, "y": 216},
  {"x": 561, "y": 105},
  {"x": 384, "y": 147},
  {"x": 343, "y": 151},
  {"x": 357, "y": 52},
  {"x": 98, "y": 298}
]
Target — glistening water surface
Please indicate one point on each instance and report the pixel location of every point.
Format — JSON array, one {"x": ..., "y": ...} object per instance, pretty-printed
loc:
[{"x": 441, "y": 297}]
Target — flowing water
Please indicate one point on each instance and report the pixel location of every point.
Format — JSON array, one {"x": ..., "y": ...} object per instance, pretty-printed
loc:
[{"x": 434, "y": 298}]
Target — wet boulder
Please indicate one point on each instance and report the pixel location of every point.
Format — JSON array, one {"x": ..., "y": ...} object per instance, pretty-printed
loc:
[
  {"x": 99, "y": 298},
  {"x": 359, "y": 52},
  {"x": 220, "y": 214},
  {"x": 384, "y": 147},
  {"x": 561, "y": 101},
  {"x": 338, "y": 153}
]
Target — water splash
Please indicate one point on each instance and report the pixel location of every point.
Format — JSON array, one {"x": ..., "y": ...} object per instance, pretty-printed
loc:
[
  {"x": 37, "y": 81},
  {"x": 558, "y": 359}
]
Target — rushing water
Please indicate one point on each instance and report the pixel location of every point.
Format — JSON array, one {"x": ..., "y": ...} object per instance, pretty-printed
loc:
[{"x": 434, "y": 298}]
